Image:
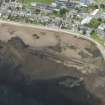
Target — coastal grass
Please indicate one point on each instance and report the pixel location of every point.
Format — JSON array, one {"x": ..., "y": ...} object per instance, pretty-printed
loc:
[
  {"x": 99, "y": 39},
  {"x": 38, "y": 1}
]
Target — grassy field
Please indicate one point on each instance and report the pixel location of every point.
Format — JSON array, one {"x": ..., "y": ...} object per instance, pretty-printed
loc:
[
  {"x": 41, "y": 1},
  {"x": 100, "y": 1},
  {"x": 99, "y": 39}
]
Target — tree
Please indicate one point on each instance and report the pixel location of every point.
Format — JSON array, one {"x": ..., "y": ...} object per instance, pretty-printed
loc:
[
  {"x": 92, "y": 32},
  {"x": 63, "y": 11},
  {"x": 94, "y": 23},
  {"x": 84, "y": 32},
  {"x": 102, "y": 6},
  {"x": 37, "y": 11}
]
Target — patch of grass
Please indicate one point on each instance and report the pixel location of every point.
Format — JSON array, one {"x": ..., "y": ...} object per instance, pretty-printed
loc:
[
  {"x": 98, "y": 38},
  {"x": 94, "y": 23},
  {"x": 39, "y": 1}
]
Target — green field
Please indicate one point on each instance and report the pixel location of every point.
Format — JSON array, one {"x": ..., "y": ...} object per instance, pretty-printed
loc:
[
  {"x": 40, "y": 1},
  {"x": 100, "y": 1},
  {"x": 97, "y": 38}
]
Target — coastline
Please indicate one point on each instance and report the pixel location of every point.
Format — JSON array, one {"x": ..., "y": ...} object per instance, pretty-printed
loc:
[{"x": 99, "y": 46}]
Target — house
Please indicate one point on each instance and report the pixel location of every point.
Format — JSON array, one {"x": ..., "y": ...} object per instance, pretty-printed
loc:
[
  {"x": 85, "y": 2},
  {"x": 101, "y": 15},
  {"x": 33, "y": 4},
  {"x": 90, "y": 17},
  {"x": 54, "y": 5},
  {"x": 101, "y": 30},
  {"x": 86, "y": 20}
]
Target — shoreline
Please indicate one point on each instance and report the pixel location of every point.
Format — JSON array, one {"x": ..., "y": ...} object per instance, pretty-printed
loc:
[{"x": 99, "y": 46}]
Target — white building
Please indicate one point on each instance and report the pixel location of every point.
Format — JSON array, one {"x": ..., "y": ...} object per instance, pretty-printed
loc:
[
  {"x": 86, "y": 20},
  {"x": 89, "y": 18}
]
